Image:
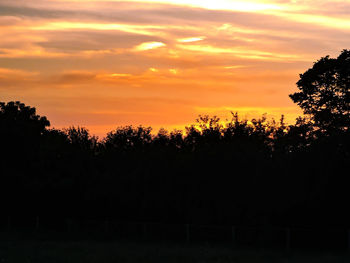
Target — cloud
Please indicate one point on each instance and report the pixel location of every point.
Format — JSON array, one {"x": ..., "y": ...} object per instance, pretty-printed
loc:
[
  {"x": 9, "y": 20},
  {"x": 153, "y": 69},
  {"x": 12, "y": 77},
  {"x": 76, "y": 77},
  {"x": 190, "y": 39},
  {"x": 173, "y": 71},
  {"x": 103, "y": 63},
  {"x": 242, "y": 52},
  {"x": 149, "y": 45},
  {"x": 7, "y": 72}
]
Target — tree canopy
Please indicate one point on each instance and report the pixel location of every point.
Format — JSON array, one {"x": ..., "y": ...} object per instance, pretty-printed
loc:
[
  {"x": 20, "y": 127},
  {"x": 325, "y": 92},
  {"x": 235, "y": 172}
]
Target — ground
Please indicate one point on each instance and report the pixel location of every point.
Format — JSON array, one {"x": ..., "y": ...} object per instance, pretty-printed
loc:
[{"x": 24, "y": 249}]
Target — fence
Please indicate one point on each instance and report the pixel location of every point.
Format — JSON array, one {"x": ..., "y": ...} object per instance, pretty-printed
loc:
[{"x": 238, "y": 236}]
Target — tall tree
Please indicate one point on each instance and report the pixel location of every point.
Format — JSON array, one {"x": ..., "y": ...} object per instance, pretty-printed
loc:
[
  {"x": 325, "y": 92},
  {"x": 21, "y": 131}
]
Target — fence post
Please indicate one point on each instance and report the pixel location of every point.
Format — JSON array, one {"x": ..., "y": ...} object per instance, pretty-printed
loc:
[
  {"x": 188, "y": 233},
  {"x": 288, "y": 238},
  {"x": 233, "y": 232}
]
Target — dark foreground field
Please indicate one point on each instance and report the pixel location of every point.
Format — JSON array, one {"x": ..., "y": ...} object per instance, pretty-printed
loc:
[{"x": 16, "y": 248}]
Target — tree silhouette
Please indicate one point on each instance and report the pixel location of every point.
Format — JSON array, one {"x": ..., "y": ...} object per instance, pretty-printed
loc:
[
  {"x": 16, "y": 119},
  {"x": 20, "y": 130},
  {"x": 233, "y": 172},
  {"x": 128, "y": 138},
  {"x": 20, "y": 138},
  {"x": 80, "y": 138},
  {"x": 325, "y": 92}
]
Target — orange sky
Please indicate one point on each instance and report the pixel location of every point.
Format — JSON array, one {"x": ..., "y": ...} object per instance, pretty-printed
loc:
[{"x": 102, "y": 64}]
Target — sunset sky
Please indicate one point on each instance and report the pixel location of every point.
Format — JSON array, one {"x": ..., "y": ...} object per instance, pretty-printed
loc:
[{"x": 103, "y": 64}]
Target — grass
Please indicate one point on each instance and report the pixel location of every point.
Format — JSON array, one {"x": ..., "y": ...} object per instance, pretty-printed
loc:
[{"x": 20, "y": 249}]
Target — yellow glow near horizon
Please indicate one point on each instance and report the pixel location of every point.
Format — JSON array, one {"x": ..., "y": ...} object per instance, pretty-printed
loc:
[
  {"x": 116, "y": 75},
  {"x": 235, "y": 67},
  {"x": 173, "y": 71}
]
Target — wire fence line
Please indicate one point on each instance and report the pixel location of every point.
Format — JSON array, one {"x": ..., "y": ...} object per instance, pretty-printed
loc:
[{"x": 238, "y": 236}]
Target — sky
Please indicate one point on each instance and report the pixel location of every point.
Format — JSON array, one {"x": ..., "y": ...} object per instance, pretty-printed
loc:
[{"x": 161, "y": 63}]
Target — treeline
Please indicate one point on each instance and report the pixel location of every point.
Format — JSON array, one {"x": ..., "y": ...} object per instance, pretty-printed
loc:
[{"x": 237, "y": 172}]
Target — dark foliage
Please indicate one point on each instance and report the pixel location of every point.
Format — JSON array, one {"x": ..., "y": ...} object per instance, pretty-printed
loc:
[
  {"x": 239, "y": 172},
  {"x": 235, "y": 173},
  {"x": 325, "y": 92}
]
